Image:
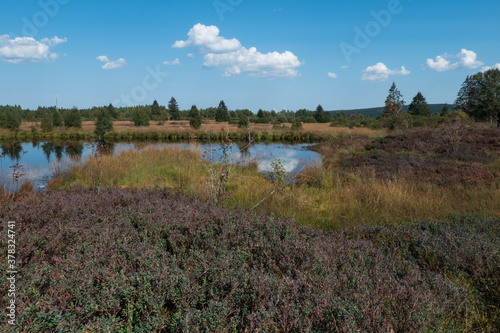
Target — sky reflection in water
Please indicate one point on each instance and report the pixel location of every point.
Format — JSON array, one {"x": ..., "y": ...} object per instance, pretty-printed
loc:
[{"x": 42, "y": 158}]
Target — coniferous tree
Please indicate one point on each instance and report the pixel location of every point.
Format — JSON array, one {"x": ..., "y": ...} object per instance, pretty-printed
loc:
[
  {"x": 103, "y": 123},
  {"x": 57, "y": 119},
  {"x": 173, "y": 109},
  {"x": 112, "y": 111},
  {"x": 261, "y": 114},
  {"x": 222, "y": 114},
  {"x": 193, "y": 111},
  {"x": 393, "y": 110},
  {"x": 11, "y": 119},
  {"x": 321, "y": 116},
  {"x": 195, "y": 120},
  {"x": 155, "y": 110},
  {"x": 46, "y": 123},
  {"x": 72, "y": 118},
  {"x": 419, "y": 106}
]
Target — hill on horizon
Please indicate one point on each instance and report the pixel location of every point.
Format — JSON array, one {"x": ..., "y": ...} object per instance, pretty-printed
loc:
[{"x": 378, "y": 111}]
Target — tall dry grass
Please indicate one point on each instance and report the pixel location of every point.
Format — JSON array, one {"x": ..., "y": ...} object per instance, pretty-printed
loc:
[
  {"x": 323, "y": 130},
  {"x": 321, "y": 197}
]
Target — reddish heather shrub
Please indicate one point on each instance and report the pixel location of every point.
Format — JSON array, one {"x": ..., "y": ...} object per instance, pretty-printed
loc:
[
  {"x": 420, "y": 155},
  {"x": 152, "y": 261}
]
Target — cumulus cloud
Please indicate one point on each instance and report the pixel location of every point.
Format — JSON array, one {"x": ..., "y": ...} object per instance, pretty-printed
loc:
[
  {"x": 108, "y": 64},
  {"x": 27, "y": 49},
  {"x": 173, "y": 62},
  {"x": 190, "y": 55},
  {"x": 466, "y": 59},
  {"x": 236, "y": 59},
  {"x": 487, "y": 68},
  {"x": 332, "y": 75},
  {"x": 380, "y": 72},
  {"x": 54, "y": 41},
  {"x": 208, "y": 39},
  {"x": 345, "y": 67}
]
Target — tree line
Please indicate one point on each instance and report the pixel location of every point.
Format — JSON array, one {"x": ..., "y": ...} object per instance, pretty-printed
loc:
[{"x": 478, "y": 98}]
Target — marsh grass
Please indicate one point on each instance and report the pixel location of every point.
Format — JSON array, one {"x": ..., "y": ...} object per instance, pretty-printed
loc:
[{"x": 322, "y": 197}]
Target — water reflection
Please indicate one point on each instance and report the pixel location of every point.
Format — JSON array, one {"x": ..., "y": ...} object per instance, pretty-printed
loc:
[
  {"x": 43, "y": 157},
  {"x": 12, "y": 150},
  {"x": 74, "y": 151}
]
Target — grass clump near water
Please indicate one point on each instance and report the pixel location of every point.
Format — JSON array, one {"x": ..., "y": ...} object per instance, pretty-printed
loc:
[
  {"x": 361, "y": 181},
  {"x": 129, "y": 260}
]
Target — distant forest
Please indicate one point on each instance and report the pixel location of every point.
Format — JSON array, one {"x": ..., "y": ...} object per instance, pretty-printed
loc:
[{"x": 377, "y": 112}]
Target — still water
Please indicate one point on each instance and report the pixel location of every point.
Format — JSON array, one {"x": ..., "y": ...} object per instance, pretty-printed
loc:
[{"x": 40, "y": 160}]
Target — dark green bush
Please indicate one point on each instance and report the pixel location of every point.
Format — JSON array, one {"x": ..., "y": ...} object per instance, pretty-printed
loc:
[
  {"x": 309, "y": 120},
  {"x": 260, "y": 120},
  {"x": 72, "y": 118},
  {"x": 46, "y": 124}
]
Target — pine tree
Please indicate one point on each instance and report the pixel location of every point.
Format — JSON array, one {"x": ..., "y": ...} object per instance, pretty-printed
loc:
[
  {"x": 155, "y": 110},
  {"x": 11, "y": 119},
  {"x": 173, "y": 109},
  {"x": 46, "y": 123},
  {"x": 112, "y": 112},
  {"x": 419, "y": 106},
  {"x": 57, "y": 119},
  {"x": 103, "y": 123},
  {"x": 72, "y": 118},
  {"x": 193, "y": 112},
  {"x": 196, "y": 119},
  {"x": 393, "y": 110},
  {"x": 321, "y": 116},
  {"x": 261, "y": 114},
  {"x": 222, "y": 114}
]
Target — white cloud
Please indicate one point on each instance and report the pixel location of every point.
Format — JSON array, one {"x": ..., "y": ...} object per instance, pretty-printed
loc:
[
  {"x": 27, "y": 49},
  {"x": 236, "y": 59},
  {"x": 487, "y": 68},
  {"x": 345, "y": 67},
  {"x": 190, "y": 55},
  {"x": 173, "y": 62},
  {"x": 254, "y": 63},
  {"x": 380, "y": 72},
  {"x": 332, "y": 75},
  {"x": 54, "y": 41},
  {"x": 441, "y": 64},
  {"x": 208, "y": 39},
  {"x": 111, "y": 64},
  {"x": 466, "y": 59}
]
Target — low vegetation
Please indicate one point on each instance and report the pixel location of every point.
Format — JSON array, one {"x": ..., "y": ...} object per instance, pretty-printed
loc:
[
  {"x": 362, "y": 181},
  {"x": 397, "y": 233},
  {"x": 183, "y": 130},
  {"x": 128, "y": 260}
]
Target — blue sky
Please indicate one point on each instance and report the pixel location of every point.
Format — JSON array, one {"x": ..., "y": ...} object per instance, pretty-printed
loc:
[{"x": 252, "y": 54}]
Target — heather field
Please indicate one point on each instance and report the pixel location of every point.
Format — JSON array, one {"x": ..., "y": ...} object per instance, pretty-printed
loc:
[
  {"x": 392, "y": 234},
  {"x": 129, "y": 260}
]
